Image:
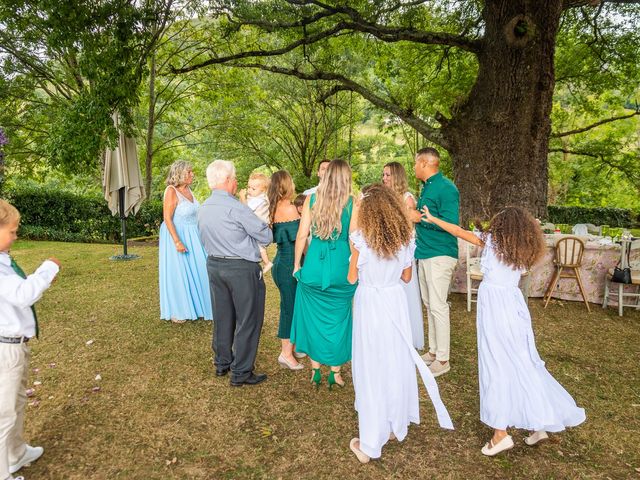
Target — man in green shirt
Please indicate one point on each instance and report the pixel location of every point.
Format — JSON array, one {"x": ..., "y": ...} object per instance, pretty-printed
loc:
[{"x": 437, "y": 254}]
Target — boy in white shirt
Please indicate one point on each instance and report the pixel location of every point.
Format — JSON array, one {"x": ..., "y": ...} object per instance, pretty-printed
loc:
[{"x": 18, "y": 324}]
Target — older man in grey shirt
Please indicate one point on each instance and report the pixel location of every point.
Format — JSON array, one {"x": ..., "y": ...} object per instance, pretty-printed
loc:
[{"x": 231, "y": 234}]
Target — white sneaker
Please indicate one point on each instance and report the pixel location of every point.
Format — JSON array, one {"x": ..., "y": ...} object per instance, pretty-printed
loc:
[
  {"x": 31, "y": 454},
  {"x": 428, "y": 358},
  {"x": 535, "y": 437},
  {"x": 438, "y": 368},
  {"x": 505, "y": 444}
]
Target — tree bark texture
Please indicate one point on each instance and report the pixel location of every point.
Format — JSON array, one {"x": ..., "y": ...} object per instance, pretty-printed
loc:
[{"x": 498, "y": 137}]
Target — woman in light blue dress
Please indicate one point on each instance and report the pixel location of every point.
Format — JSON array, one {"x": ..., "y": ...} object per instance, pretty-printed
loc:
[{"x": 184, "y": 283}]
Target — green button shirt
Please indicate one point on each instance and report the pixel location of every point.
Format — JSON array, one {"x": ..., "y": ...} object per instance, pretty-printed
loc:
[{"x": 442, "y": 199}]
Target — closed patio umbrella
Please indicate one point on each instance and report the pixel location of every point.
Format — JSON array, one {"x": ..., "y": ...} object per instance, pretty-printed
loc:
[{"x": 122, "y": 183}]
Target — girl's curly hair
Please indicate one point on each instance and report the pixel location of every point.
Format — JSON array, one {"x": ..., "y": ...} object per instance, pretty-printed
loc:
[
  {"x": 383, "y": 220},
  {"x": 516, "y": 237}
]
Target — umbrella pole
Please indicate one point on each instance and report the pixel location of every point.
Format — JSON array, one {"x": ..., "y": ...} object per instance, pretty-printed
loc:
[
  {"x": 124, "y": 236},
  {"x": 123, "y": 220}
]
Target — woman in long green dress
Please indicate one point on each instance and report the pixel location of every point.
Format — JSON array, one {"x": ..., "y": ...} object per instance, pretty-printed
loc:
[
  {"x": 285, "y": 220},
  {"x": 322, "y": 318}
]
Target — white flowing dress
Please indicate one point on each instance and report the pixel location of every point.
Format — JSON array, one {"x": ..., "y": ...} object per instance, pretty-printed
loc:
[
  {"x": 516, "y": 390},
  {"x": 383, "y": 356},
  {"x": 412, "y": 290}
]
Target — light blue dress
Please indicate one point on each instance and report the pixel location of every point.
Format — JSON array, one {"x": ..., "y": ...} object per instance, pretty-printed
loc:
[{"x": 184, "y": 283}]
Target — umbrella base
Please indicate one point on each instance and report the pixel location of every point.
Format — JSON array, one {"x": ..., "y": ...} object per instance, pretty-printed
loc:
[{"x": 122, "y": 258}]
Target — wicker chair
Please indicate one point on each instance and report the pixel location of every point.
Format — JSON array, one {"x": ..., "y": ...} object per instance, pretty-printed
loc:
[{"x": 567, "y": 261}]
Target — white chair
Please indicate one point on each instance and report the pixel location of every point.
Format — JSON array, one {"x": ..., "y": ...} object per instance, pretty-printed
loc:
[
  {"x": 620, "y": 296},
  {"x": 593, "y": 230},
  {"x": 580, "y": 229},
  {"x": 475, "y": 274}
]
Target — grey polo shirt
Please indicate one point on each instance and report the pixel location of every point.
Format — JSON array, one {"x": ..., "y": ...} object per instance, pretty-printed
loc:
[{"x": 228, "y": 228}]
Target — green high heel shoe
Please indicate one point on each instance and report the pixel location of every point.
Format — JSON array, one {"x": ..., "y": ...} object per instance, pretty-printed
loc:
[
  {"x": 316, "y": 377},
  {"x": 332, "y": 380}
]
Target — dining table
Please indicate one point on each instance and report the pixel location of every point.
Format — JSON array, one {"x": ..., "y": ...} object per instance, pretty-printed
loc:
[{"x": 600, "y": 255}]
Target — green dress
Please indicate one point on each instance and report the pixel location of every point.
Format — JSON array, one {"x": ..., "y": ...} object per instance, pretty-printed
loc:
[
  {"x": 284, "y": 235},
  {"x": 322, "y": 318}
]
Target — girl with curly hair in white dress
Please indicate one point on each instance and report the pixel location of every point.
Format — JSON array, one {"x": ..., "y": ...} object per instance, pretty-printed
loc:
[
  {"x": 516, "y": 390},
  {"x": 384, "y": 359}
]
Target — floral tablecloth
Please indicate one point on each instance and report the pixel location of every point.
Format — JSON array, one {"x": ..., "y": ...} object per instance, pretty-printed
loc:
[{"x": 596, "y": 261}]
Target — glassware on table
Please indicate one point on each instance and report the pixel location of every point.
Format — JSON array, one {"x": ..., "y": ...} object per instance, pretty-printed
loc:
[{"x": 615, "y": 233}]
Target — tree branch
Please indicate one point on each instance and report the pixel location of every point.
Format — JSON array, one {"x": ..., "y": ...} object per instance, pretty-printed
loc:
[
  {"x": 397, "y": 34},
  {"x": 566, "y": 4},
  {"x": 263, "y": 53},
  {"x": 574, "y": 152},
  {"x": 357, "y": 23},
  {"x": 597, "y": 124},
  {"x": 430, "y": 133}
]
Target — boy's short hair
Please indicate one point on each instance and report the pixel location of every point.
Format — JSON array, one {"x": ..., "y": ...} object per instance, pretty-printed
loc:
[
  {"x": 8, "y": 213},
  {"x": 299, "y": 200},
  {"x": 261, "y": 177}
]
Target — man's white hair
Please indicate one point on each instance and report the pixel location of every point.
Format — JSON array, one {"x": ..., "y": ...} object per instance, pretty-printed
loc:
[{"x": 218, "y": 171}]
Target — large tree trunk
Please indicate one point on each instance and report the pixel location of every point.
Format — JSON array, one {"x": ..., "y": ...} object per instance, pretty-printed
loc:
[{"x": 498, "y": 138}]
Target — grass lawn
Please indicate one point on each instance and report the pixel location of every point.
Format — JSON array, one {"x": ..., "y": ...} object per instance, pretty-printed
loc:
[{"x": 160, "y": 412}]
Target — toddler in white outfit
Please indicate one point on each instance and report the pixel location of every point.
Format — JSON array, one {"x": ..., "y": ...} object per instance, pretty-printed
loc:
[{"x": 255, "y": 197}]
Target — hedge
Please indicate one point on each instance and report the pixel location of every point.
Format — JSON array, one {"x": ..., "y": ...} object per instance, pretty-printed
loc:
[
  {"x": 614, "y": 217},
  {"x": 50, "y": 214}
]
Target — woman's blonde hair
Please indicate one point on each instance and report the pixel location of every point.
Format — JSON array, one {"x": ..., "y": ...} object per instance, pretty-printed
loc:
[
  {"x": 8, "y": 213},
  {"x": 178, "y": 173},
  {"x": 516, "y": 237},
  {"x": 332, "y": 196},
  {"x": 261, "y": 177},
  {"x": 280, "y": 187},
  {"x": 383, "y": 220},
  {"x": 399, "y": 182}
]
